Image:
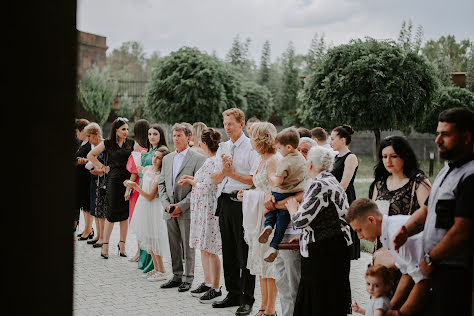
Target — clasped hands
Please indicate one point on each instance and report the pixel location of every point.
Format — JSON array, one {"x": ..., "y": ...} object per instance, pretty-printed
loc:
[{"x": 227, "y": 169}]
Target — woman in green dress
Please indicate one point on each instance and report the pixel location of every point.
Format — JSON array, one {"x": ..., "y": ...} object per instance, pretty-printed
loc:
[{"x": 156, "y": 137}]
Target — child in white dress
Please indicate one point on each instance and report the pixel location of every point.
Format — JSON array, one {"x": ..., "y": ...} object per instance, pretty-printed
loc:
[{"x": 147, "y": 222}]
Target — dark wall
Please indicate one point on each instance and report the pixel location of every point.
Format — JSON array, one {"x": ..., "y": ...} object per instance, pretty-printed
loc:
[{"x": 38, "y": 140}]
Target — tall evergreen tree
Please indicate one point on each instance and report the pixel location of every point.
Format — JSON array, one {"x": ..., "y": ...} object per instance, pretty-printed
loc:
[
  {"x": 265, "y": 62},
  {"x": 316, "y": 51},
  {"x": 290, "y": 87}
]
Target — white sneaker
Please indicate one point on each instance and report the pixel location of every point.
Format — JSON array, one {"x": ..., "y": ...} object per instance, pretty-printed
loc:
[
  {"x": 271, "y": 255},
  {"x": 263, "y": 238},
  {"x": 149, "y": 273},
  {"x": 158, "y": 276}
]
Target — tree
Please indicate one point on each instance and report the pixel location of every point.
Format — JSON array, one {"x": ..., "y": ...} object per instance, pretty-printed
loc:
[
  {"x": 448, "y": 97},
  {"x": 265, "y": 62},
  {"x": 192, "y": 86},
  {"x": 290, "y": 86},
  {"x": 96, "y": 92},
  {"x": 371, "y": 85},
  {"x": 316, "y": 51},
  {"x": 458, "y": 53},
  {"x": 259, "y": 101},
  {"x": 238, "y": 57},
  {"x": 470, "y": 72},
  {"x": 406, "y": 40},
  {"x": 126, "y": 107},
  {"x": 127, "y": 61}
]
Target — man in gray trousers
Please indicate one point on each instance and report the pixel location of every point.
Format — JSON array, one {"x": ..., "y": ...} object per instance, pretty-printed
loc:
[{"x": 176, "y": 201}]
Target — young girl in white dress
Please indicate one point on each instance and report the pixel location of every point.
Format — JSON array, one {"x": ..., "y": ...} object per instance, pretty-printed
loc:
[{"x": 147, "y": 222}]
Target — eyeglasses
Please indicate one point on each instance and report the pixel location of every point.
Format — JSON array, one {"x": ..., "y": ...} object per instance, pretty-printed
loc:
[{"x": 123, "y": 119}]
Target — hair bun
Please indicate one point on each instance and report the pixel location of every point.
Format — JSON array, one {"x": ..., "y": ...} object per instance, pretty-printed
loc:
[{"x": 348, "y": 128}]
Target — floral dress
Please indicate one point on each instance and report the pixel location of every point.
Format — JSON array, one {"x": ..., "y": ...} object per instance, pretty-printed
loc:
[{"x": 204, "y": 233}]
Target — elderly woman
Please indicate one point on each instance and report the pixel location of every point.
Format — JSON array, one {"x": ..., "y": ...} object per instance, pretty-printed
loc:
[{"x": 324, "y": 244}]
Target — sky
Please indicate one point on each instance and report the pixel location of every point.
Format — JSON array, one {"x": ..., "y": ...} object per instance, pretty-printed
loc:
[{"x": 211, "y": 25}]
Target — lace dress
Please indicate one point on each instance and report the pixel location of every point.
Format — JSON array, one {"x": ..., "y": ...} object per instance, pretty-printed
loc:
[
  {"x": 255, "y": 262},
  {"x": 204, "y": 231},
  {"x": 400, "y": 199},
  {"x": 147, "y": 222}
]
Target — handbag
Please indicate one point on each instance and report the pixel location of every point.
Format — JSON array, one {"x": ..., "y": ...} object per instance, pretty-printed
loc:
[{"x": 103, "y": 188}]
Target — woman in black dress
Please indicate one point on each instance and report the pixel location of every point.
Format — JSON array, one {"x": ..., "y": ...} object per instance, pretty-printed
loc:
[
  {"x": 118, "y": 148},
  {"x": 83, "y": 180},
  {"x": 345, "y": 170}
]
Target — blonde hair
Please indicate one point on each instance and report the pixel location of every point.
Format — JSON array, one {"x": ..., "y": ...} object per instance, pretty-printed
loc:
[
  {"x": 263, "y": 135},
  {"x": 198, "y": 128},
  {"x": 238, "y": 114},
  {"x": 93, "y": 129}
]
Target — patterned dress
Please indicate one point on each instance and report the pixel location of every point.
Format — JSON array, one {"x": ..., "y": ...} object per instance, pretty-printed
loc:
[{"x": 204, "y": 232}]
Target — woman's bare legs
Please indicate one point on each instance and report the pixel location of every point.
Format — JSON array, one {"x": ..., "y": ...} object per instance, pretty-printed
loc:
[
  {"x": 271, "y": 297},
  {"x": 205, "y": 266},
  {"x": 263, "y": 291},
  {"x": 99, "y": 224},
  {"x": 214, "y": 269},
  {"x": 88, "y": 219},
  {"x": 123, "y": 234},
  {"x": 157, "y": 262},
  {"x": 108, "y": 227}
]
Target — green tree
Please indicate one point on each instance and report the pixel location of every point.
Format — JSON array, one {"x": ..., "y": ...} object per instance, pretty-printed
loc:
[
  {"x": 192, "y": 86},
  {"x": 371, "y": 85},
  {"x": 96, "y": 92},
  {"x": 470, "y": 72},
  {"x": 259, "y": 101},
  {"x": 406, "y": 40},
  {"x": 239, "y": 59},
  {"x": 316, "y": 51},
  {"x": 265, "y": 62},
  {"x": 126, "y": 107},
  {"x": 458, "y": 53},
  {"x": 127, "y": 62},
  {"x": 290, "y": 86},
  {"x": 448, "y": 97}
]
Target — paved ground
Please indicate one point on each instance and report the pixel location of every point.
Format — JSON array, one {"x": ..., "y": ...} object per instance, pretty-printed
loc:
[{"x": 116, "y": 286}]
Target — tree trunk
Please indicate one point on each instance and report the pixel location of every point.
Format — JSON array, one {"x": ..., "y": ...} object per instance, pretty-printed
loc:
[{"x": 377, "y": 144}]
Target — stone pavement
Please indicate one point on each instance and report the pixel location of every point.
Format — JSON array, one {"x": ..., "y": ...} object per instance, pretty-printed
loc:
[{"x": 116, "y": 286}]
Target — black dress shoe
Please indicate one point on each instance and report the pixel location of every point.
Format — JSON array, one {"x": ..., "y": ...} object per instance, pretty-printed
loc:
[
  {"x": 92, "y": 242},
  {"x": 171, "y": 283},
  {"x": 227, "y": 302},
  {"x": 244, "y": 309},
  {"x": 185, "y": 286}
]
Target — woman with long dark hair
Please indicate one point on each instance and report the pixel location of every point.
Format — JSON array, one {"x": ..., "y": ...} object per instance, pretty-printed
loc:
[
  {"x": 118, "y": 147},
  {"x": 398, "y": 179}
]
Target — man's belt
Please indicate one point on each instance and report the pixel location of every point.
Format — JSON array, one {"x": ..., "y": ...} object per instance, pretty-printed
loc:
[{"x": 232, "y": 195}]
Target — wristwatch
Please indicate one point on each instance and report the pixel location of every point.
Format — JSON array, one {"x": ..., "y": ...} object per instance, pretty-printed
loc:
[{"x": 427, "y": 259}]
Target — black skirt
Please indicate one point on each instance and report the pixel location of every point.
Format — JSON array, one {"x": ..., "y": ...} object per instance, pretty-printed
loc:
[
  {"x": 117, "y": 209},
  {"x": 324, "y": 286}
]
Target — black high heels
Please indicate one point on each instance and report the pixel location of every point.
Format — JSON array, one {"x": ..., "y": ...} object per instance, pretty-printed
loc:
[
  {"x": 103, "y": 255},
  {"x": 91, "y": 235},
  {"x": 120, "y": 253}
]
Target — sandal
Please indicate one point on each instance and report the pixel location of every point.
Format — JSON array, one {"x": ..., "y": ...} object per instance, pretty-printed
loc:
[{"x": 261, "y": 312}]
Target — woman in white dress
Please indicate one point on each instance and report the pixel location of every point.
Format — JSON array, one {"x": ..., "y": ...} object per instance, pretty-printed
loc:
[
  {"x": 262, "y": 137},
  {"x": 147, "y": 221},
  {"x": 204, "y": 231}
]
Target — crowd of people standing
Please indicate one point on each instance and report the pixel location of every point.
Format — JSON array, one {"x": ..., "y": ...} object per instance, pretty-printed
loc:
[{"x": 282, "y": 206}]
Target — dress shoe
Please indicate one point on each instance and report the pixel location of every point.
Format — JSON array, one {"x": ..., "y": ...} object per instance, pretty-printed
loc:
[
  {"x": 171, "y": 283},
  {"x": 97, "y": 245},
  {"x": 185, "y": 286},
  {"x": 92, "y": 242},
  {"x": 227, "y": 302},
  {"x": 244, "y": 309}
]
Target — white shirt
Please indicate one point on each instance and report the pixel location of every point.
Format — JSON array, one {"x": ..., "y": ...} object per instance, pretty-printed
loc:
[
  {"x": 177, "y": 162},
  {"x": 245, "y": 160},
  {"x": 374, "y": 304},
  {"x": 409, "y": 256}
]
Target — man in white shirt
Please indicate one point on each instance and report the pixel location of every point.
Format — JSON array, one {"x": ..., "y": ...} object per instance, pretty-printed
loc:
[
  {"x": 320, "y": 135},
  {"x": 236, "y": 164}
]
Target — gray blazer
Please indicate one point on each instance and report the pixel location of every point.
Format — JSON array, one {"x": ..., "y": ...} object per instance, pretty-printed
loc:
[{"x": 178, "y": 194}]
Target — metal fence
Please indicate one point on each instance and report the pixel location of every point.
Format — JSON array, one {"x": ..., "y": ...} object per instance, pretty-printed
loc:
[{"x": 135, "y": 89}]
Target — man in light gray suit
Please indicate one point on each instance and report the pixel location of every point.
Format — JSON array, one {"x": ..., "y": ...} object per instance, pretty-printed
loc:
[{"x": 176, "y": 201}]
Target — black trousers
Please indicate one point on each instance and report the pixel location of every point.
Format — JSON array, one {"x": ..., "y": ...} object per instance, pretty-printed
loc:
[
  {"x": 238, "y": 280},
  {"x": 452, "y": 290}
]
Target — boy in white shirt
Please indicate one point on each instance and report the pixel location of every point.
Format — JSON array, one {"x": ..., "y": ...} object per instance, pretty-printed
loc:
[{"x": 369, "y": 223}]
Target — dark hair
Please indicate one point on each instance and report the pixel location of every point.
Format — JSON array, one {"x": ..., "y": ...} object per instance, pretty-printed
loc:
[
  {"x": 160, "y": 129},
  {"x": 79, "y": 124},
  {"x": 211, "y": 138},
  {"x": 116, "y": 124},
  {"x": 404, "y": 150},
  {"x": 140, "y": 133},
  {"x": 462, "y": 117},
  {"x": 304, "y": 132},
  {"x": 319, "y": 133},
  {"x": 288, "y": 136},
  {"x": 344, "y": 131}
]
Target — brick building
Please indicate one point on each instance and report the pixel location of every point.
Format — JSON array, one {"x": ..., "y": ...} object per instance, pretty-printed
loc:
[{"x": 91, "y": 49}]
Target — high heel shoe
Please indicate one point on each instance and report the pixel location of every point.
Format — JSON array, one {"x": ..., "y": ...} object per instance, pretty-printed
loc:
[
  {"x": 120, "y": 253},
  {"x": 103, "y": 255},
  {"x": 90, "y": 236}
]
